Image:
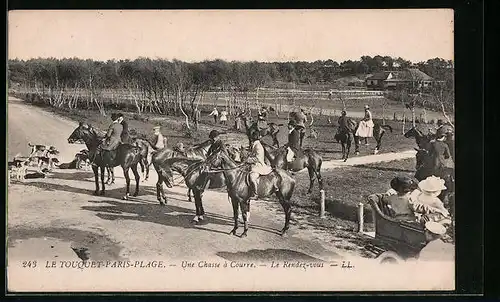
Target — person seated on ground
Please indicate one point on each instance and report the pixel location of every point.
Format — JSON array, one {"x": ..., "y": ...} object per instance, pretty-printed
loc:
[
  {"x": 257, "y": 163},
  {"x": 159, "y": 140},
  {"x": 426, "y": 204},
  {"x": 436, "y": 249},
  {"x": 293, "y": 146},
  {"x": 112, "y": 139},
  {"x": 396, "y": 205}
]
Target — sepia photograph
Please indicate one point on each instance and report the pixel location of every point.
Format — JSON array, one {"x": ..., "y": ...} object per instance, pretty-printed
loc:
[{"x": 230, "y": 150}]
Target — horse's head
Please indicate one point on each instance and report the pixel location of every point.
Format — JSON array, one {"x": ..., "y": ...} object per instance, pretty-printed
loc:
[
  {"x": 82, "y": 133},
  {"x": 218, "y": 158},
  {"x": 413, "y": 132}
]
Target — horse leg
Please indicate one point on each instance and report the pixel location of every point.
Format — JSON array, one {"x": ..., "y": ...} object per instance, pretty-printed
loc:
[
  {"x": 288, "y": 214},
  {"x": 127, "y": 180},
  {"x": 160, "y": 193},
  {"x": 245, "y": 212},
  {"x": 141, "y": 163},
  {"x": 103, "y": 170},
  {"x": 343, "y": 149},
  {"x": 189, "y": 194},
  {"x": 319, "y": 177},
  {"x": 95, "y": 169},
  {"x": 236, "y": 207},
  {"x": 137, "y": 179},
  {"x": 356, "y": 145},
  {"x": 147, "y": 163},
  {"x": 198, "y": 204},
  {"x": 348, "y": 147},
  {"x": 379, "y": 142},
  {"x": 312, "y": 177}
]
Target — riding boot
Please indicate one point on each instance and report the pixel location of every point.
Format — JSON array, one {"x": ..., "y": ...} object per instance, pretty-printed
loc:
[{"x": 253, "y": 190}]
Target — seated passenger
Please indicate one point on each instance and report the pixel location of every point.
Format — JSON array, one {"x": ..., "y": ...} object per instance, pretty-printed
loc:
[
  {"x": 426, "y": 204},
  {"x": 398, "y": 205}
]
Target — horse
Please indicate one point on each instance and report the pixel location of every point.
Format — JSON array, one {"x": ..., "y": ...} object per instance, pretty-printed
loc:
[
  {"x": 278, "y": 182},
  {"x": 127, "y": 156},
  {"x": 344, "y": 136},
  {"x": 252, "y": 126},
  {"x": 425, "y": 168},
  {"x": 198, "y": 151},
  {"x": 192, "y": 170},
  {"x": 423, "y": 140},
  {"x": 308, "y": 158}
]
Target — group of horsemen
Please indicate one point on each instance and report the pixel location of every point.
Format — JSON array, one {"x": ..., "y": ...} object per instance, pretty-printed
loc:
[{"x": 118, "y": 133}]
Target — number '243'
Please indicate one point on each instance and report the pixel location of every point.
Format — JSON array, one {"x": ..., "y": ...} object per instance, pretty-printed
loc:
[{"x": 29, "y": 264}]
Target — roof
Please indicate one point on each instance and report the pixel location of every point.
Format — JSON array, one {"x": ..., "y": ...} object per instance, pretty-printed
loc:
[
  {"x": 410, "y": 74},
  {"x": 379, "y": 75}
]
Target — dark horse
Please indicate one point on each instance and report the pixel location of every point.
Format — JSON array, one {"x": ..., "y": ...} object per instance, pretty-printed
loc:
[
  {"x": 159, "y": 157},
  {"x": 127, "y": 156},
  {"x": 424, "y": 140},
  {"x": 344, "y": 136},
  {"x": 278, "y": 182},
  {"x": 271, "y": 130},
  {"x": 192, "y": 172},
  {"x": 307, "y": 158},
  {"x": 425, "y": 167}
]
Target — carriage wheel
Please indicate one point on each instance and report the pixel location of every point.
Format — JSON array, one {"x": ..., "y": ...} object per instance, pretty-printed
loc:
[{"x": 389, "y": 257}]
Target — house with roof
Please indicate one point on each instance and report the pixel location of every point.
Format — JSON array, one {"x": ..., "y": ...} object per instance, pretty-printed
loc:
[{"x": 389, "y": 80}]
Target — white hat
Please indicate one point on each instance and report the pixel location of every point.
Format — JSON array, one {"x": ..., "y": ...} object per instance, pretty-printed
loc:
[
  {"x": 435, "y": 228},
  {"x": 367, "y": 107},
  {"x": 432, "y": 184},
  {"x": 156, "y": 128}
]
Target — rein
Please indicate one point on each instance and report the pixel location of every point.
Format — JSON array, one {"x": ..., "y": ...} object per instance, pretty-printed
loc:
[{"x": 227, "y": 169}]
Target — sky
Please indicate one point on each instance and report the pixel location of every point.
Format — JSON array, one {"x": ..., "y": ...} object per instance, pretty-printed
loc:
[{"x": 240, "y": 35}]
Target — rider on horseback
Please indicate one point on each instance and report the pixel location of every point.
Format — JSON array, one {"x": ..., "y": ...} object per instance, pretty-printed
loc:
[
  {"x": 159, "y": 140},
  {"x": 112, "y": 139},
  {"x": 257, "y": 162},
  {"x": 343, "y": 127},
  {"x": 293, "y": 147}
]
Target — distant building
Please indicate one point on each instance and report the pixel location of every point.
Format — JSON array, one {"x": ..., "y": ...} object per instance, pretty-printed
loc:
[{"x": 411, "y": 78}]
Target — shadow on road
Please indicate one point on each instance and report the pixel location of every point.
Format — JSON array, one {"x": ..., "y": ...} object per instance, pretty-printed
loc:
[
  {"x": 383, "y": 169},
  {"x": 268, "y": 255}
]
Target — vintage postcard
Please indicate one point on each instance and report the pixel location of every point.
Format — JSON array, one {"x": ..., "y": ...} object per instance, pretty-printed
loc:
[{"x": 231, "y": 150}]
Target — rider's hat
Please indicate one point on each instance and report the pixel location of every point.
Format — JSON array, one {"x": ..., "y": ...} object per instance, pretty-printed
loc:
[
  {"x": 343, "y": 112},
  {"x": 156, "y": 128},
  {"x": 367, "y": 107},
  {"x": 402, "y": 184},
  {"x": 255, "y": 135},
  {"x": 435, "y": 228},
  {"x": 292, "y": 123},
  {"x": 432, "y": 184},
  {"x": 114, "y": 116},
  {"x": 213, "y": 134},
  {"x": 440, "y": 132}
]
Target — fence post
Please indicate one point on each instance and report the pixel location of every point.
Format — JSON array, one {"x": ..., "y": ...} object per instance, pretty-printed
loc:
[
  {"x": 361, "y": 217},
  {"x": 322, "y": 204}
]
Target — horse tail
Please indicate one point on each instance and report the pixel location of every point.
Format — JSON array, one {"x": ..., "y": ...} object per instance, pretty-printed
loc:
[{"x": 386, "y": 127}]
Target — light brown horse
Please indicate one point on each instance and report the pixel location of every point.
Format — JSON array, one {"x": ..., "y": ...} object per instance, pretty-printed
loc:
[
  {"x": 158, "y": 158},
  {"x": 278, "y": 182},
  {"x": 308, "y": 158}
]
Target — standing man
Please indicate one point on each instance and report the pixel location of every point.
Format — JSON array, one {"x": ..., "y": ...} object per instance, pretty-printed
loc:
[
  {"x": 441, "y": 153},
  {"x": 159, "y": 139},
  {"x": 365, "y": 129},
  {"x": 223, "y": 117},
  {"x": 257, "y": 161},
  {"x": 215, "y": 114},
  {"x": 300, "y": 126},
  {"x": 214, "y": 137},
  {"x": 293, "y": 147},
  {"x": 196, "y": 117}
]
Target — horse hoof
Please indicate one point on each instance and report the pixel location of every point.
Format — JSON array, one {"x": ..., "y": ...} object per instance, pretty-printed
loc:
[
  {"x": 309, "y": 191},
  {"x": 96, "y": 193},
  {"x": 101, "y": 193},
  {"x": 135, "y": 194},
  {"x": 243, "y": 235},
  {"x": 125, "y": 197},
  {"x": 162, "y": 204}
]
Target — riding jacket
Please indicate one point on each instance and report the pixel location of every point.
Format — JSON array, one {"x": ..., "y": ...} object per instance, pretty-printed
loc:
[
  {"x": 294, "y": 140},
  {"x": 113, "y": 136}
]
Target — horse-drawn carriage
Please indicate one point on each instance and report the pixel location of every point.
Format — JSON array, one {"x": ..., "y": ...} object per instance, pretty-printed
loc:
[{"x": 394, "y": 240}]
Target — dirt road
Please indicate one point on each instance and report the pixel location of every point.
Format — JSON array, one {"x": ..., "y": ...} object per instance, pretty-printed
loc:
[{"x": 55, "y": 218}]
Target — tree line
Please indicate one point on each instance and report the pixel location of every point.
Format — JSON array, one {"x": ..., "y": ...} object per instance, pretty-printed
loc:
[{"x": 166, "y": 86}]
